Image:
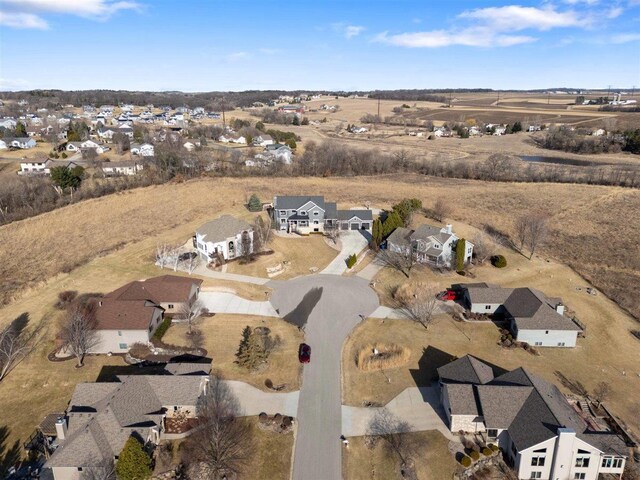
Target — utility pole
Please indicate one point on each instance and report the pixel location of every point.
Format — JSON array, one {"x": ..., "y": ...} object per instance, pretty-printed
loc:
[{"x": 449, "y": 99}]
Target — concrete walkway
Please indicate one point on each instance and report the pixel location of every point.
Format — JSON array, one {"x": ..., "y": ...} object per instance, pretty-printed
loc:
[
  {"x": 254, "y": 401},
  {"x": 388, "y": 312},
  {"x": 352, "y": 242},
  {"x": 370, "y": 271},
  {"x": 223, "y": 302},
  {"x": 418, "y": 407}
]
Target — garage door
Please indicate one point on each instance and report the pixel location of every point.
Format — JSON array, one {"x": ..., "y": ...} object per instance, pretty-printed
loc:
[
  {"x": 355, "y": 226},
  {"x": 366, "y": 226}
]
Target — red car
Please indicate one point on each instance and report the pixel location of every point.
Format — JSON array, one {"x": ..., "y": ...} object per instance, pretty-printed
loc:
[
  {"x": 304, "y": 353},
  {"x": 448, "y": 295}
]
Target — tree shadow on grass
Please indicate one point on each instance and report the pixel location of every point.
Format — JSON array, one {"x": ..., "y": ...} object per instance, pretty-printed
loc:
[
  {"x": 299, "y": 315},
  {"x": 9, "y": 455}
]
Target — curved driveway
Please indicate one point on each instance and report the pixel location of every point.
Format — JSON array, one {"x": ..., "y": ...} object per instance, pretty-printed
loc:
[{"x": 328, "y": 307}]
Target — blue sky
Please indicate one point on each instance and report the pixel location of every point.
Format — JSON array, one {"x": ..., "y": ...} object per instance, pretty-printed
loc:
[{"x": 203, "y": 45}]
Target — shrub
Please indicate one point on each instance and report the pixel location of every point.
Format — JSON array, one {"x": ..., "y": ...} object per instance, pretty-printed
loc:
[
  {"x": 351, "y": 260},
  {"x": 162, "y": 329},
  {"x": 499, "y": 261},
  {"x": 465, "y": 462},
  {"x": 494, "y": 447},
  {"x": 140, "y": 351},
  {"x": 475, "y": 455},
  {"x": 133, "y": 462},
  {"x": 487, "y": 452},
  {"x": 65, "y": 298},
  {"x": 64, "y": 155}
]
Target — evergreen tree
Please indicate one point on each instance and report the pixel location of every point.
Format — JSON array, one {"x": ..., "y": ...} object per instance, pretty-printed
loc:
[
  {"x": 133, "y": 462},
  {"x": 406, "y": 208},
  {"x": 392, "y": 222},
  {"x": 296, "y": 120},
  {"x": 255, "y": 205},
  {"x": 461, "y": 247},
  {"x": 21, "y": 130},
  {"x": 65, "y": 177},
  {"x": 291, "y": 143},
  {"x": 251, "y": 352},
  {"x": 517, "y": 127},
  {"x": 377, "y": 230},
  {"x": 260, "y": 126}
]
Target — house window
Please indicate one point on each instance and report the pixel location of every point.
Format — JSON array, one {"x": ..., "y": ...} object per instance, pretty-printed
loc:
[
  {"x": 283, "y": 212},
  {"x": 122, "y": 346},
  {"x": 303, "y": 212},
  {"x": 537, "y": 461},
  {"x": 546, "y": 332},
  {"x": 492, "y": 433},
  {"x": 170, "y": 305},
  {"x": 315, "y": 213},
  {"x": 283, "y": 220},
  {"x": 487, "y": 307},
  {"x": 582, "y": 462},
  {"x": 315, "y": 222},
  {"x": 79, "y": 469},
  {"x": 536, "y": 474},
  {"x": 119, "y": 333},
  {"x": 561, "y": 344},
  {"x": 538, "y": 344},
  {"x": 580, "y": 476},
  {"x": 151, "y": 327},
  {"x": 611, "y": 462}
]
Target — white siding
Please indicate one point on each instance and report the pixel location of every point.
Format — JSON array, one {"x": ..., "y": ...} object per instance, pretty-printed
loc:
[{"x": 548, "y": 338}]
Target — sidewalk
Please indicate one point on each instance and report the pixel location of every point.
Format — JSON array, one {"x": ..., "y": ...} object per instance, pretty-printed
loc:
[
  {"x": 223, "y": 302},
  {"x": 254, "y": 401}
]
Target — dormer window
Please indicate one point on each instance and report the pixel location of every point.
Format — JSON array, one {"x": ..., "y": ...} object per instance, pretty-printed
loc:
[{"x": 303, "y": 212}]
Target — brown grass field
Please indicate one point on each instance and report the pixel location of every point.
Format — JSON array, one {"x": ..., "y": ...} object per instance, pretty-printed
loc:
[
  {"x": 431, "y": 461},
  {"x": 99, "y": 244},
  {"x": 222, "y": 334}
]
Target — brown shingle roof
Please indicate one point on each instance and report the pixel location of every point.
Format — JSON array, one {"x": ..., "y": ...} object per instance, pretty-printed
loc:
[
  {"x": 114, "y": 314},
  {"x": 163, "y": 289}
]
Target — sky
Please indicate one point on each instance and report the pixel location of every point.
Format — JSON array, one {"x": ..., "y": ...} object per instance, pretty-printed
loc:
[{"x": 234, "y": 45}]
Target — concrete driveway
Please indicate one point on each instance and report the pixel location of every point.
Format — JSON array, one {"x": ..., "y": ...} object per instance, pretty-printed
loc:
[
  {"x": 254, "y": 401},
  {"x": 328, "y": 307},
  {"x": 223, "y": 302},
  {"x": 419, "y": 407},
  {"x": 353, "y": 241}
]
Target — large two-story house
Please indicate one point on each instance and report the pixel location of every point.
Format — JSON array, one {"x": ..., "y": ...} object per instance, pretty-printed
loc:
[
  {"x": 429, "y": 244},
  {"x": 102, "y": 416},
  {"x": 541, "y": 435},
  {"x": 533, "y": 317},
  {"x": 222, "y": 239},
  {"x": 311, "y": 214}
]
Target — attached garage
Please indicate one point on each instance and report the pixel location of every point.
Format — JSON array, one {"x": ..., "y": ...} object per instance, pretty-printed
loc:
[
  {"x": 355, "y": 225},
  {"x": 365, "y": 226}
]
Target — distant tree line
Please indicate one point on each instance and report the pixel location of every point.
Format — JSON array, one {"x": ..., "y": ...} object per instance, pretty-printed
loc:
[{"x": 570, "y": 141}]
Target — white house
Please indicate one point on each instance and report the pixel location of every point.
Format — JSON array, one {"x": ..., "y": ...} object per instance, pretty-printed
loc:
[
  {"x": 19, "y": 142},
  {"x": 8, "y": 123},
  {"x": 144, "y": 150},
  {"x": 533, "y": 317},
  {"x": 223, "y": 238},
  {"x": 429, "y": 244},
  {"x": 263, "y": 140},
  {"x": 121, "y": 168},
  {"x": 540, "y": 433},
  {"x": 280, "y": 152},
  {"x": 42, "y": 166}
]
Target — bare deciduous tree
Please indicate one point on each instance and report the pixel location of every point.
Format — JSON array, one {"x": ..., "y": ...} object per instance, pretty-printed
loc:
[
  {"x": 263, "y": 232},
  {"x": 418, "y": 302},
  {"x": 392, "y": 431},
  {"x": 400, "y": 261},
  {"x": 521, "y": 227},
  {"x": 536, "y": 232},
  {"x": 191, "y": 313},
  {"x": 246, "y": 247},
  {"x": 222, "y": 444},
  {"x": 497, "y": 165},
  {"x": 191, "y": 263},
  {"x": 163, "y": 252},
  {"x": 483, "y": 246},
  {"x": 601, "y": 392},
  {"x": 79, "y": 329},
  {"x": 16, "y": 342},
  {"x": 104, "y": 470},
  {"x": 441, "y": 209},
  {"x": 333, "y": 231}
]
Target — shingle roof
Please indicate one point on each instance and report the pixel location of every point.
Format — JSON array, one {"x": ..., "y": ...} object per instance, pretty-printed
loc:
[
  {"x": 467, "y": 369},
  {"x": 221, "y": 228},
  {"x": 400, "y": 237},
  {"x": 532, "y": 310},
  {"x": 462, "y": 399},
  {"x": 162, "y": 289},
  {"x": 294, "y": 202},
  {"x": 113, "y": 314},
  {"x": 365, "y": 215},
  {"x": 489, "y": 295}
]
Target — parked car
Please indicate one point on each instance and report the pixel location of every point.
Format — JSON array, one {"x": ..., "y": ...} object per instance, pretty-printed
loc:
[
  {"x": 304, "y": 353},
  {"x": 448, "y": 295},
  {"x": 187, "y": 256}
]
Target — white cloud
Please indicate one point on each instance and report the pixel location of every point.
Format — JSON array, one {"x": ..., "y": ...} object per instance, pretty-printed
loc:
[
  {"x": 236, "y": 56},
  {"x": 470, "y": 37},
  {"x": 22, "y": 20},
  {"x": 349, "y": 31},
  {"x": 615, "y": 12},
  {"x": 270, "y": 51},
  {"x": 585, "y": 2},
  {"x": 29, "y": 13},
  {"x": 516, "y": 17},
  {"x": 625, "y": 38}
]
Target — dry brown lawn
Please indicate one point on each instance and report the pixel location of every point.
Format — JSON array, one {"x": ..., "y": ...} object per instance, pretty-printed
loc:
[
  {"x": 608, "y": 353},
  {"x": 222, "y": 334},
  {"x": 271, "y": 454},
  {"x": 298, "y": 255},
  {"x": 432, "y": 461}
]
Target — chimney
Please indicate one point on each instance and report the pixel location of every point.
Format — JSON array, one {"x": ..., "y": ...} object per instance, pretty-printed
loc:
[
  {"x": 560, "y": 308},
  {"x": 61, "y": 428},
  {"x": 563, "y": 453},
  {"x": 449, "y": 228}
]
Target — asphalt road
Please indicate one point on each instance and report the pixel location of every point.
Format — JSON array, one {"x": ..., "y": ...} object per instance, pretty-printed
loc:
[{"x": 328, "y": 307}]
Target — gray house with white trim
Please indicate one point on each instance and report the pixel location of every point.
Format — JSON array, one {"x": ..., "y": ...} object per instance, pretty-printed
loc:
[
  {"x": 539, "y": 432},
  {"x": 311, "y": 214},
  {"x": 429, "y": 244}
]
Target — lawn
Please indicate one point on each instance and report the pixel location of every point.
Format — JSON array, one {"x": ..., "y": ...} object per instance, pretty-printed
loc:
[
  {"x": 222, "y": 335},
  {"x": 432, "y": 459},
  {"x": 298, "y": 254}
]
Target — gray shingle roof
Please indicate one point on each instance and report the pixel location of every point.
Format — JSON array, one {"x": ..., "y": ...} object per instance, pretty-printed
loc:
[
  {"x": 365, "y": 215},
  {"x": 290, "y": 202},
  {"x": 220, "y": 229},
  {"x": 400, "y": 237},
  {"x": 532, "y": 310},
  {"x": 467, "y": 369},
  {"x": 489, "y": 295},
  {"x": 462, "y": 399}
]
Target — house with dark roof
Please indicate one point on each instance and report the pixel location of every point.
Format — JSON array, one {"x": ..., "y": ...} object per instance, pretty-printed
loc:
[
  {"x": 429, "y": 244},
  {"x": 307, "y": 214},
  {"x": 222, "y": 239},
  {"x": 102, "y": 416},
  {"x": 533, "y": 317},
  {"x": 539, "y": 432}
]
